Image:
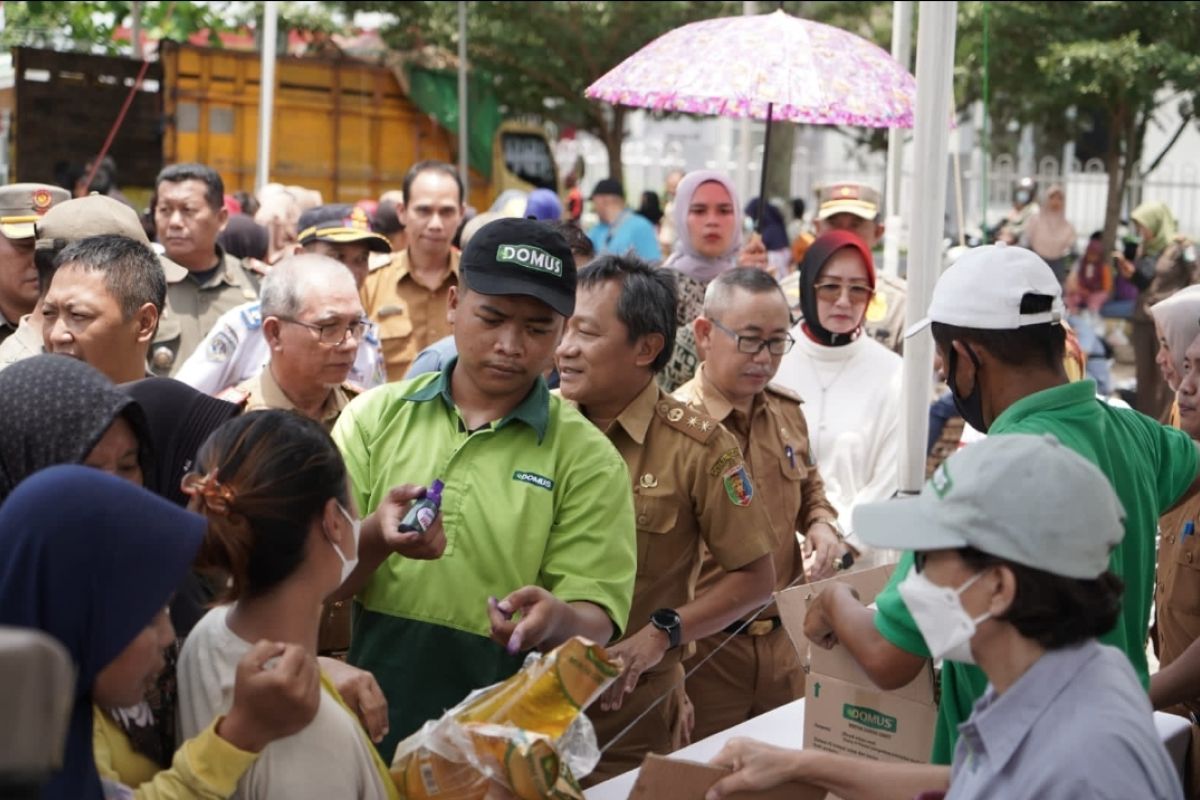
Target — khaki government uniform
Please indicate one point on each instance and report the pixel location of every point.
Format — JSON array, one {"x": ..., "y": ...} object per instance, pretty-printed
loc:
[
  {"x": 193, "y": 309},
  {"x": 758, "y": 670},
  {"x": 690, "y": 487},
  {"x": 262, "y": 392},
  {"x": 1177, "y": 610},
  {"x": 26, "y": 342},
  {"x": 409, "y": 316}
]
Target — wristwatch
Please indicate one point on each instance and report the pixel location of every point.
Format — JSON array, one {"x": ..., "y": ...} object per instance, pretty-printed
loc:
[{"x": 668, "y": 621}]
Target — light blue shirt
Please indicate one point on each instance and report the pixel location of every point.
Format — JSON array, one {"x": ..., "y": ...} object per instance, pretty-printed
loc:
[
  {"x": 630, "y": 231},
  {"x": 1077, "y": 724},
  {"x": 433, "y": 358}
]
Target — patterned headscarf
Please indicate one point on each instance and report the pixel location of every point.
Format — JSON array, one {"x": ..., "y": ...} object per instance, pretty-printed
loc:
[{"x": 53, "y": 410}]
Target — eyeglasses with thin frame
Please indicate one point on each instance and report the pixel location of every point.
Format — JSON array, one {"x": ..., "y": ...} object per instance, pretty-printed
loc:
[
  {"x": 753, "y": 345},
  {"x": 832, "y": 292},
  {"x": 334, "y": 334}
]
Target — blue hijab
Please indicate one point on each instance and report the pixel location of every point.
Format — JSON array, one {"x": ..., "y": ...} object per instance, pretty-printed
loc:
[{"x": 89, "y": 559}]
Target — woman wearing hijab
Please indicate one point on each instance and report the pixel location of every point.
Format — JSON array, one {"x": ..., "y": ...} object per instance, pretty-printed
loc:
[
  {"x": 96, "y": 573},
  {"x": 283, "y": 527},
  {"x": 709, "y": 224},
  {"x": 1165, "y": 263},
  {"x": 1176, "y": 324},
  {"x": 774, "y": 237},
  {"x": 1049, "y": 234},
  {"x": 850, "y": 383}
]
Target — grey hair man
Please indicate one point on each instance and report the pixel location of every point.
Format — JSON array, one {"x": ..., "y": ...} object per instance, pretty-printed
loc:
[{"x": 313, "y": 321}]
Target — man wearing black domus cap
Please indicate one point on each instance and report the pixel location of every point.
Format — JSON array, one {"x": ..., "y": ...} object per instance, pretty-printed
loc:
[{"x": 536, "y": 520}]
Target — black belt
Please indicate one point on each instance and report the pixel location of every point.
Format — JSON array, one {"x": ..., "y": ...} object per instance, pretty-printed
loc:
[{"x": 759, "y": 627}]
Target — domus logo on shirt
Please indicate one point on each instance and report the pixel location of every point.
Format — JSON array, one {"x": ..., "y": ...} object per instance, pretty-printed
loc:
[
  {"x": 530, "y": 257},
  {"x": 535, "y": 479},
  {"x": 869, "y": 718}
]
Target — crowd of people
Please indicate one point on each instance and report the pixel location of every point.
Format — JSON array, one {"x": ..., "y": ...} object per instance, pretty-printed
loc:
[{"x": 634, "y": 434}]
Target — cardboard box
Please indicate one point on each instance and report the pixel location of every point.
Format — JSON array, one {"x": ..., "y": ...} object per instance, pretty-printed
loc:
[
  {"x": 844, "y": 712},
  {"x": 687, "y": 780}
]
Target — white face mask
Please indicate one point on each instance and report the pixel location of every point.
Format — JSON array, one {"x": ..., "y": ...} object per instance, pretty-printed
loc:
[
  {"x": 348, "y": 564},
  {"x": 940, "y": 616}
]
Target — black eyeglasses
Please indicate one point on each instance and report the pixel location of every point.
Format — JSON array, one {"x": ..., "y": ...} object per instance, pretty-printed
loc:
[
  {"x": 334, "y": 334},
  {"x": 919, "y": 558},
  {"x": 753, "y": 345}
]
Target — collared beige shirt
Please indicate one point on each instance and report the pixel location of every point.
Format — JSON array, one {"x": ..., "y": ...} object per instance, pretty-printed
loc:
[
  {"x": 25, "y": 342},
  {"x": 263, "y": 392},
  {"x": 774, "y": 439},
  {"x": 193, "y": 309},
  {"x": 690, "y": 487},
  {"x": 410, "y": 317}
]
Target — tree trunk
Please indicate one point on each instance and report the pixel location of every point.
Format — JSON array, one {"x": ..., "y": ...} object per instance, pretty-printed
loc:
[
  {"x": 1116, "y": 177},
  {"x": 779, "y": 162},
  {"x": 614, "y": 136}
]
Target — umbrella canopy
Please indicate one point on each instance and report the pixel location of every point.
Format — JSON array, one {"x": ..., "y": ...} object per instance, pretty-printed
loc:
[{"x": 770, "y": 67}]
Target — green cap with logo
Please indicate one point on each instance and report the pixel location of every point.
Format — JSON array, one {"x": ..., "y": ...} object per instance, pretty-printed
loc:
[
  {"x": 1014, "y": 496},
  {"x": 521, "y": 257}
]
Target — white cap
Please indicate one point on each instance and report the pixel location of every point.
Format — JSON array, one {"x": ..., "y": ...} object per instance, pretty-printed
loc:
[
  {"x": 1012, "y": 496},
  {"x": 983, "y": 290}
]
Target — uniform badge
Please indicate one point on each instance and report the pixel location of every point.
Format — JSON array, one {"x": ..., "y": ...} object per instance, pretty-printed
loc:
[
  {"x": 162, "y": 358},
  {"x": 221, "y": 346},
  {"x": 41, "y": 201},
  {"x": 878, "y": 308},
  {"x": 738, "y": 486}
]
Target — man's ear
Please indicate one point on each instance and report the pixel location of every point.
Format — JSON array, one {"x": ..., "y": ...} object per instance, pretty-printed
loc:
[
  {"x": 452, "y": 298},
  {"x": 147, "y": 322},
  {"x": 272, "y": 331},
  {"x": 648, "y": 348},
  {"x": 703, "y": 328}
]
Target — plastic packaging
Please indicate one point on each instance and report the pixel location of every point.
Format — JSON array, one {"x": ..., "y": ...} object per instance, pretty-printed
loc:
[
  {"x": 421, "y": 514},
  {"x": 526, "y": 735}
]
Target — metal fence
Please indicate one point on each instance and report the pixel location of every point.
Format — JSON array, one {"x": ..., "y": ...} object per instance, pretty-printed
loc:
[{"x": 647, "y": 163}]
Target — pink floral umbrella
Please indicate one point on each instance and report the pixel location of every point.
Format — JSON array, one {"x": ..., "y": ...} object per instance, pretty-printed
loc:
[{"x": 768, "y": 67}]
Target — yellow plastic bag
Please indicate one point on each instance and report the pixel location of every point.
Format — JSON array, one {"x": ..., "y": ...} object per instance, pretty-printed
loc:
[{"x": 512, "y": 738}]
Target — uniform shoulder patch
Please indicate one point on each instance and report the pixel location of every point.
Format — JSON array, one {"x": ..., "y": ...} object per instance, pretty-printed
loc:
[
  {"x": 784, "y": 392},
  {"x": 696, "y": 424},
  {"x": 233, "y": 394},
  {"x": 222, "y": 345},
  {"x": 738, "y": 486},
  {"x": 252, "y": 316}
]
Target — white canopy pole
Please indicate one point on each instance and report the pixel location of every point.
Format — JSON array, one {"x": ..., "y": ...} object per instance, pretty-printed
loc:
[
  {"x": 902, "y": 52},
  {"x": 266, "y": 94},
  {"x": 935, "y": 61},
  {"x": 463, "y": 136}
]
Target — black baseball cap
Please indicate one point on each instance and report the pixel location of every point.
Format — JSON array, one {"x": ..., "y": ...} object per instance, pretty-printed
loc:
[
  {"x": 609, "y": 186},
  {"x": 521, "y": 256},
  {"x": 340, "y": 223}
]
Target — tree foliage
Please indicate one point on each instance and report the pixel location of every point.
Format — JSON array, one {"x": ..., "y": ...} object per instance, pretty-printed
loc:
[
  {"x": 92, "y": 26},
  {"x": 541, "y": 56}
]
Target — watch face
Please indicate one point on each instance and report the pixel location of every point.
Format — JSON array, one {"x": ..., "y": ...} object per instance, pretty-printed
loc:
[{"x": 665, "y": 618}]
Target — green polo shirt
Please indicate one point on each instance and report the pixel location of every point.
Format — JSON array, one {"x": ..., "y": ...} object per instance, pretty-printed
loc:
[
  {"x": 538, "y": 498},
  {"x": 1149, "y": 465}
]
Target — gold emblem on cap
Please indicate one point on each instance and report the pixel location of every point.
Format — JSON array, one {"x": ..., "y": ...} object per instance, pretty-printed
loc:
[
  {"x": 42, "y": 200},
  {"x": 847, "y": 191},
  {"x": 648, "y": 481},
  {"x": 675, "y": 414}
]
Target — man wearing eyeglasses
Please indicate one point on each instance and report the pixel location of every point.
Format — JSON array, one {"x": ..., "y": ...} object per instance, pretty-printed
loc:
[
  {"x": 691, "y": 493},
  {"x": 235, "y": 350},
  {"x": 312, "y": 322},
  {"x": 741, "y": 337}
]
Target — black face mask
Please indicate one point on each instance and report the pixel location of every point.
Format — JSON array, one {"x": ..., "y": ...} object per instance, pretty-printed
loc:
[{"x": 970, "y": 408}]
